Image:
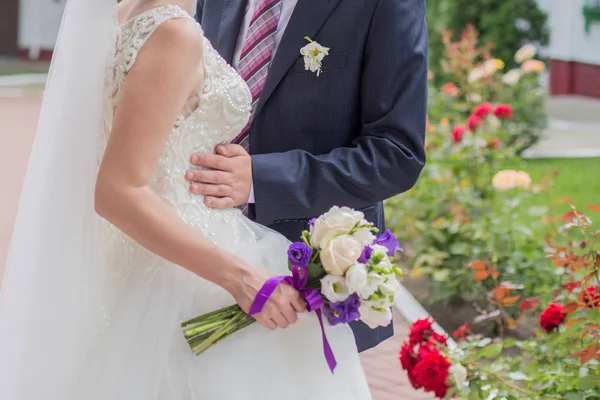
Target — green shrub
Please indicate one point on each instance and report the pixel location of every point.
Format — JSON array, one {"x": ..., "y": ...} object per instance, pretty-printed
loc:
[{"x": 508, "y": 24}]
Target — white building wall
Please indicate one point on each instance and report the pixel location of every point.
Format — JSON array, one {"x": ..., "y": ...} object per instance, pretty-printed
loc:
[
  {"x": 39, "y": 22},
  {"x": 568, "y": 38}
]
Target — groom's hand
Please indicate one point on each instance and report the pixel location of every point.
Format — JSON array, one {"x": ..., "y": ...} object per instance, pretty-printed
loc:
[{"x": 228, "y": 181}]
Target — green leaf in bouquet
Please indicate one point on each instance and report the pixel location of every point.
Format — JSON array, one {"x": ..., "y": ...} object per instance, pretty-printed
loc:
[
  {"x": 315, "y": 272},
  {"x": 306, "y": 237}
]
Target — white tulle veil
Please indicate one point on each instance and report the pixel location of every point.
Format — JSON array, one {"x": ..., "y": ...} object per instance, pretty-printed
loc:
[{"x": 53, "y": 290}]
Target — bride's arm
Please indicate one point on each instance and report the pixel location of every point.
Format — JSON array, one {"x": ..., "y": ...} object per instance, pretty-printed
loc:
[{"x": 155, "y": 92}]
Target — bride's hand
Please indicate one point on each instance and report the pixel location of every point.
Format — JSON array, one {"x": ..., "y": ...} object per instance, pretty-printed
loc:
[{"x": 282, "y": 307}]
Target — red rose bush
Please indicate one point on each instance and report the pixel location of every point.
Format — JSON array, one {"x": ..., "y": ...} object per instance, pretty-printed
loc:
[{"x": 560, "y": 361}]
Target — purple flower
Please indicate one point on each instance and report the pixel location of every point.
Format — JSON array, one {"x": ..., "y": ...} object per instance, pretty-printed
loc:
[
  {"x": 311, "y": 222},
  {"x": 389, "y": 241},
  {"x": 343, "y": 312},
  {"x": 365, "y": 255},
  {"x": 299, "y": 254}
]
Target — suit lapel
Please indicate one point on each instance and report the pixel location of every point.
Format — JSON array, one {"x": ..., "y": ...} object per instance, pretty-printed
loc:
[
  {"x": 225, "y": 25},
  {"x": 308, "y": 17}
]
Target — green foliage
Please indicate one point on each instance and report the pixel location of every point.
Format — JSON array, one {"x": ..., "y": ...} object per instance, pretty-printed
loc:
[
  {"x": 458, "y": 213},
  {"x": 563, "y": 363},
  {"x": 508, "y": 24},
  {"x": 473, "y": 77}
]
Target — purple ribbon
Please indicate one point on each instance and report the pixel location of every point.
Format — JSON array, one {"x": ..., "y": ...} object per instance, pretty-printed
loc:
[{"x": 313, "y": 299}]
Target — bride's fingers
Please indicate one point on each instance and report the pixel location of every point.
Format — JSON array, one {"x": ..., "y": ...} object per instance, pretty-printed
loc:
[
  {"x": 299, "y": 304},
  {"x": 265, "y": 321},
  {"x": 289, "y": 312},
  {"x": 279, "y": 319}
]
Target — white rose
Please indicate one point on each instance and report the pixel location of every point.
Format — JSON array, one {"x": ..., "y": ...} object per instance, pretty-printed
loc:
[
  {"x": 335, "y": 222},
  {"x": 357, "y": 278},
  {"x": 459, "y": 374},
  {"x": 374, "y": 318},
  {"x": 474, "y": 98},
  {"x": 334, "y": 288},
  {"x": 476, "y": 74},
  {"x": 364, "y": 236},
  {"x": 339, "y": 254},
  {"x": 512, "y": 77},
  {"x": 527, "y": 52}
]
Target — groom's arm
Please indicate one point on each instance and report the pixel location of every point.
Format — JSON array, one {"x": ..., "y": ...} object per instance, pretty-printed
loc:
[{"x": 387, "y": 157}]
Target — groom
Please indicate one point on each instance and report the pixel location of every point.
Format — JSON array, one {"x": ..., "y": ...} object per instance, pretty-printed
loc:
[{"x": 351, "y": 135}]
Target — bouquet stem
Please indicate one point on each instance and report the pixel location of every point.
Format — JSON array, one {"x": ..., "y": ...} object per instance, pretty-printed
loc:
[{"x": 206, "y": 330}]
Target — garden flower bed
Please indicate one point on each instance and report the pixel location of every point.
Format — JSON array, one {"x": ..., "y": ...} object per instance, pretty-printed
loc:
[{"x": 513, "y": 274}]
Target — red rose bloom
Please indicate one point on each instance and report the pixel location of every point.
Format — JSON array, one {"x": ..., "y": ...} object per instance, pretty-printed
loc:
[
  {"x": 570, "y": 286},
  {"x": 462, "y": 332},
  {"x": 439, "y": 339},
  {"x": 504, "y": 111},
  {"x": 458, "y": 133},
  {"x": 408, "y": 360},
  {"x": 474, "y": 122},
  {"x": 590, "y": 297},
  {"x": 494, "y": 143},
  {"x": 425, "y": 349},
  {"x": 413, "y": 381},
  {"x": 407, "y": 357},
  {"x": 529, "y": 304},
  {"x": 450, "y": 89},
  {"x": 552, "y": 317},
  {"x": 483, "y": 110},
  {"x": 432, "y": 373},
  {"x": 420, "y": 331}
]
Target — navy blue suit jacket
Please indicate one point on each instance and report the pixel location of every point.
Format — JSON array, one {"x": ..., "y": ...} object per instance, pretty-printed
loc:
[{"x": 352, "y": 136}]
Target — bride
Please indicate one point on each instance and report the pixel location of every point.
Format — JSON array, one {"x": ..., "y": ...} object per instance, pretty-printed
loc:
[{"x": 91, "y": 307}]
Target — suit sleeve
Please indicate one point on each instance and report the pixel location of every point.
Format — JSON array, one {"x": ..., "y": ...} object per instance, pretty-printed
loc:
[{"x": 388, "y": 155}]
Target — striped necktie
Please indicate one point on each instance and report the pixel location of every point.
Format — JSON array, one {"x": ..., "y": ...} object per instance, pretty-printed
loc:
[{"x": 257, "y": 52}]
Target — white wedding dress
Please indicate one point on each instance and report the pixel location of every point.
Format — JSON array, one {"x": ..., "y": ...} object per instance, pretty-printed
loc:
[{"x": 140, "y": 352}]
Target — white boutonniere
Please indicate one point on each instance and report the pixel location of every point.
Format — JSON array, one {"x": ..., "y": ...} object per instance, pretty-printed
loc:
[{"x": 313, "y": 54}]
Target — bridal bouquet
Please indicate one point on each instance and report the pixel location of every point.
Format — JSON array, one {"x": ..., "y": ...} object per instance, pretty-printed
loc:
[{"x": 343, "y": 271}]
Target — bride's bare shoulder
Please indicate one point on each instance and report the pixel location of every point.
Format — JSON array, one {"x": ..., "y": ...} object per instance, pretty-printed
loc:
[
  {"x": 179, "y": 32},
  {"x": 177, "y": 39}
]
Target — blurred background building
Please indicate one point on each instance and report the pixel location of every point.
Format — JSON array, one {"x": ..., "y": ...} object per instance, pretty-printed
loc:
[{"x": 28, "y": 29}]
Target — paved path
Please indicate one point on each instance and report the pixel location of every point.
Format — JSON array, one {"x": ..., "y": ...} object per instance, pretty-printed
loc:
[
  {"x": 386, "y": 379},
  {"x": 573, "y": 129},
  {"x": 18, "y": 119}
]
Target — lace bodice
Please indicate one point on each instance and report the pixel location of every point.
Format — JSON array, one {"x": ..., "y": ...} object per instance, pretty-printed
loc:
[{"x": 215, "y": 114}]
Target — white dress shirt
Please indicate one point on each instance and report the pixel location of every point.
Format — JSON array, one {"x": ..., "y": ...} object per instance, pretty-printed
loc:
[{"x": 287, "y": 8}]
